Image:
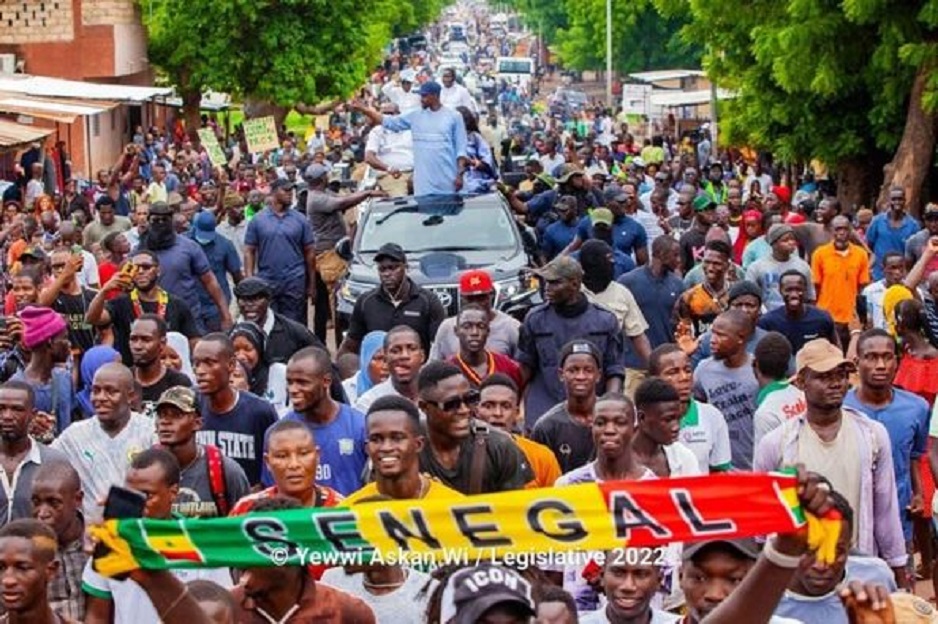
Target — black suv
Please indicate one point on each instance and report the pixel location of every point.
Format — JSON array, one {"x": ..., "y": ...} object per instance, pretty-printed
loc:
[
  {"x": 567, "y": 103},
  {"x": 442, "y": 236}
]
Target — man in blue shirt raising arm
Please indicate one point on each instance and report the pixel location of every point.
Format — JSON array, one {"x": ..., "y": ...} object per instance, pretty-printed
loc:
[{"x": 439, "y": 141}]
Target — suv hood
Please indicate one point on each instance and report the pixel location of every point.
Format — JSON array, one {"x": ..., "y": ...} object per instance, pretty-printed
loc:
[{"x": 437, "y": 267}]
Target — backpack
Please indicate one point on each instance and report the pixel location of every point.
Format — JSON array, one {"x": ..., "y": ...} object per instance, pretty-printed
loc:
[{"x": 216, "y": 479}]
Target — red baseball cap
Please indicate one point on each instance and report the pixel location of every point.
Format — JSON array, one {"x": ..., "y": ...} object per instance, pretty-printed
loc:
[
  {"x": 783, "y": 193},
  {"x": 475, "y": 282}
]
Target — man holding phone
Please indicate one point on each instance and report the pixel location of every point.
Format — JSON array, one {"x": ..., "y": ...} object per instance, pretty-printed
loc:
[
  {"x": 140, "y": 294},
  {"x": 152, "y": 484}
]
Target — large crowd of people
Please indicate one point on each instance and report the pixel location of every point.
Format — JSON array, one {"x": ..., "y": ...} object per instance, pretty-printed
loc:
[{"x": 703, "y": 312}]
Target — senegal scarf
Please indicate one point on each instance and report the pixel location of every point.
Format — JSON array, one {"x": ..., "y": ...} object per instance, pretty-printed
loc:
[{"x": 542, "y": 522}]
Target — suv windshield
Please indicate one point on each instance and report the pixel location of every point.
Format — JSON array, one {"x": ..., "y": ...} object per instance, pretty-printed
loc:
[
  {"x": 447, "y": 225},
  {"x": 515, "y": 66},
  {"x": 577, "y": 98}
]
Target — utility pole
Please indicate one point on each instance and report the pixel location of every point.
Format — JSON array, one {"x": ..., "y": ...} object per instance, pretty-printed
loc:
[
  {"x": 609, "y": 53},
  {"x": 714, "y": 114}
]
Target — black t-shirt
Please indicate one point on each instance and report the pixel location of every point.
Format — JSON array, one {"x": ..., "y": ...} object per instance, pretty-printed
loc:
[
  {"x": 239, "y": 434},
  {"x": 571, "y": 442},
  {"x": 814, "y": 323},
  {"x": 505, "y": 468},
  {"x": 151, "y": 394},
  {"x": 178, "y": 318},
  {"x": 73, "y": 308}
]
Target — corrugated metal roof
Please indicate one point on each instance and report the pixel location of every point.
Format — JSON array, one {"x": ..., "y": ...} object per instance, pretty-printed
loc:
[
  {"x": 44, "y": 86},
  {"x": 687, "y": 98},
  {"x": 51, "y": 109},
  {"x": 666, "y": 74},
  {"x": 14, "y": 134},
  {"x": 60, "y": 110}
]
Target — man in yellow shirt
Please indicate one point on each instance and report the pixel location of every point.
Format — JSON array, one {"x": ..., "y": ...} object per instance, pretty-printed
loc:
[
  {"x": 393, "y": 443},
  {"x": 498, "y": 406}
]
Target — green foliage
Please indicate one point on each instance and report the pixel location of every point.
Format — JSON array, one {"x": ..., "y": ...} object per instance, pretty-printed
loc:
[
  {"x": 816, "y": 78},
  {"x": 280, "y": 51},
  {"x": 643, "y": 38},
  {"x": 545, "y": 17}
]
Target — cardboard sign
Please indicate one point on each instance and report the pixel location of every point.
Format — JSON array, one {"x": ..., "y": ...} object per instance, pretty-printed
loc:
[
  {"x": 210, "y": 142},
  {"x": 261, "y": 134}
]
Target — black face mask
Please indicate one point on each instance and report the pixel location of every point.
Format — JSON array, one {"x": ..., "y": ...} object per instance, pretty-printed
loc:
[
  {"x": 161, "y": 235},
  {"x": 598, "y": 267}
]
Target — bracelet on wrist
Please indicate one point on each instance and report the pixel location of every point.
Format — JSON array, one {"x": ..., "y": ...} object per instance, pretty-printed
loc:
[{"x": 789, "y": 562}]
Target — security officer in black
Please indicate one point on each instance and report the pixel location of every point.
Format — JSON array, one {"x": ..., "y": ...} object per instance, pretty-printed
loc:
[
  {"x": 284, "y": 336},
  {"x": 396, "y": 301}
]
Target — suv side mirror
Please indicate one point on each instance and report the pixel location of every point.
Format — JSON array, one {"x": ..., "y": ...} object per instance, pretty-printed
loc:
[{"x": 344, "y": 248}]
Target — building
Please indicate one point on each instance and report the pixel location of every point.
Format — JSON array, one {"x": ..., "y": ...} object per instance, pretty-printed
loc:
[
  {"x": 675, "y": 100},
  {"x": 93, "y": 121},
  {"x": 76, "y": 68},
  {"x": 87, "y": 40}
]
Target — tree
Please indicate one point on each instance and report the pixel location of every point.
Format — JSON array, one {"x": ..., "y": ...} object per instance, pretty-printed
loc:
[
  {"x": 643, "y": 38},
  {"x": 282, "y": 52},
  {"x": 829, "y": 80},
  {"x": 545, "y": 17},
  {"x": 183, "y": 42}
]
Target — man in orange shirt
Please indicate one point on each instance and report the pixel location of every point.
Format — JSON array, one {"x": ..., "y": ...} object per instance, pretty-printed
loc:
[
  {"x": 498, "y": 406},
  {"x": 841, "y": 270}
]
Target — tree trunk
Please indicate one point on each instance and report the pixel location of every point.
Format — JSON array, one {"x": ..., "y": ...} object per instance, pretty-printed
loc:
[
  {"x": 256, "y": 108},
  {"x": 191, "y": 111},
  {"x": 854, "y": 184},
  {"x": 910, "y": 164}
]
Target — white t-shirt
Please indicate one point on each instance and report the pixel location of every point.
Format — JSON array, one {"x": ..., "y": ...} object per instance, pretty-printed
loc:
[
  {"x": 649, "y": 221},
  {"x": 101, "y": 460},
  {"x": 404, "y": 605},
  {"x": 704, "y": 432},
  {"x": 406, "y": 100},
  {"x": 394, "y": 149},
  {"x": 456, "y": 96},
  {"x": 657, "y": 617},
  {"x": 131, "y": 603},
  {"x": 385, "y": 388},
  {"x": 874, "y": 294},
  {"x": 681, "y": 461},
  {"x": 573, "y": 581},
  {"x": 782, "y": 402},
  {"x": 88, "y": 277},
  {"x": 550, "y": 163}
]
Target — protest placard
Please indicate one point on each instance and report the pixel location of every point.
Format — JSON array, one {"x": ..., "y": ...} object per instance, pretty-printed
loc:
[
  {"x": 210, "y": 142},
  {"x": 261, "y": 134}
]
